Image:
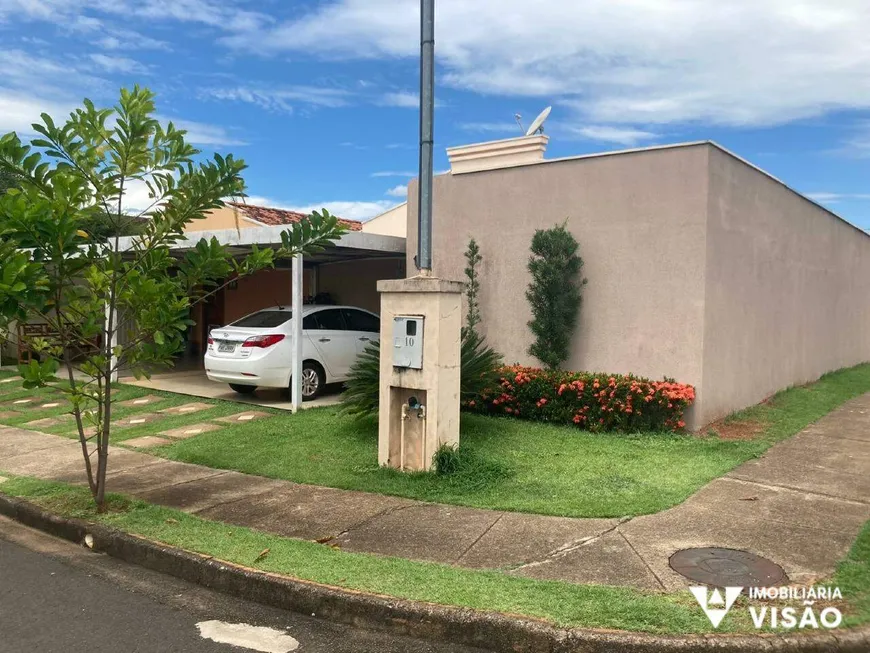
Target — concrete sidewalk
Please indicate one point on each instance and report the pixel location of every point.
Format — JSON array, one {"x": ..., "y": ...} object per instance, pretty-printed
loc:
[{"x": 801, "y": 505}]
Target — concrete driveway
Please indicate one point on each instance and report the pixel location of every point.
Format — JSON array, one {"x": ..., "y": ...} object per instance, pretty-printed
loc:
[{"x": 196, "y": 384}]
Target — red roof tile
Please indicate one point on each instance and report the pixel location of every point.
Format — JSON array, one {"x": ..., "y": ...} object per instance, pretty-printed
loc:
[{"x": 278, "y": 217}]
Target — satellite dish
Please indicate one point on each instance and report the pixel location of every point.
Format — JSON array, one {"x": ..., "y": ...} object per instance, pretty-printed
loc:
[{"x": 537, "y": 125}]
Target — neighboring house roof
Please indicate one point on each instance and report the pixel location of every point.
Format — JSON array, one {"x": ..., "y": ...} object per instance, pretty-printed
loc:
[{"x": 277, "y": 217}]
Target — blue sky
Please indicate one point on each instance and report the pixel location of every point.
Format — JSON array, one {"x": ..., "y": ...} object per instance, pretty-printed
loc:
[{"x": 320, "y": 97}]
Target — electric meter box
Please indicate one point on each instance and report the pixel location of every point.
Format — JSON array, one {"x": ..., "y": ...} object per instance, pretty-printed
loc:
[{"x": 408, "y": 341}]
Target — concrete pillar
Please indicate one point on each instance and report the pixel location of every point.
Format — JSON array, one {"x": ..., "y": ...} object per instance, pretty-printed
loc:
[
  {"x": 409, "y": 436},
  {"x": 296, "y": 305},
  {"x": 112, "y": 339}
]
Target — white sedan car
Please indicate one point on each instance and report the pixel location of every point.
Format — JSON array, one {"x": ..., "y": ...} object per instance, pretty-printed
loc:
[{"x": 257, "y": 350}]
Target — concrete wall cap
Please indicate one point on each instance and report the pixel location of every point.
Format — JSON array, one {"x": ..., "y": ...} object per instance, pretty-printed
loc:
[{"x": 420, "y": 284}]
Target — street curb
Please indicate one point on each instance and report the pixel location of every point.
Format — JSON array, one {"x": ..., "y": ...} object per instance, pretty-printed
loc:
[{"x": 493, "y": 631}]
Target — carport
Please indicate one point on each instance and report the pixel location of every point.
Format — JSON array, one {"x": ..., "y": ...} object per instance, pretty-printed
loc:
[{"x": 345, "y": 272}]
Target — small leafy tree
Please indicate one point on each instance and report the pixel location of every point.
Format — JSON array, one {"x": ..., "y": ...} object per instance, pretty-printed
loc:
[
  {"x": 7, "y": 181},
  {"x": 63, "y": 261},
  {"x": 472, "y": 286},
  {"x": 554, "y": 294}
]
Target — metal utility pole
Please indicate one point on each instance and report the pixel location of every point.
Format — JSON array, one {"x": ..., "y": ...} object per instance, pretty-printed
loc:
[{"x": 427, "y": 109}]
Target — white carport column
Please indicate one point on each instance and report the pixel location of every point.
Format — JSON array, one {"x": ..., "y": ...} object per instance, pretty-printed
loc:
[
  {"x": 112, "y": 339},
  {"x": 296, "y": 383}
]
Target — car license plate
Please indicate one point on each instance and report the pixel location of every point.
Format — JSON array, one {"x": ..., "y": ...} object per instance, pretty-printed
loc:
[{"x": 227, "y": 347}]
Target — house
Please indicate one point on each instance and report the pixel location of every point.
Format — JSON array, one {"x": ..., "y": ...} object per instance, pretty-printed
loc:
[
  {"x": 346, "y": 273},
  {"x": 700, "y": 266},
  {"x": 245, "y": 216},
  {"x": 392, "y": 222}
]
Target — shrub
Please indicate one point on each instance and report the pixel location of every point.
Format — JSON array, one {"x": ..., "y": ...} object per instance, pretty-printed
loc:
[
  {"x": 446, "y": 459},
  {"x": 479, "y": 365},
  {"x": 472, "y": 286},
  {"x": 468, "y": 469},
  {"x": 362, "y": 389},
  {"x": 596, "y": 402},
  {"x": 553, "y": 294}
]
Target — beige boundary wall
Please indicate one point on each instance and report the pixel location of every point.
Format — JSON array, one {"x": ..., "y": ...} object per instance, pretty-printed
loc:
[{"x": 700, "y": 267}]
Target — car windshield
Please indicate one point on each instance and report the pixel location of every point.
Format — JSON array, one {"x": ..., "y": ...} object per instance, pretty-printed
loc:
[{"x": 263, "y": 319}]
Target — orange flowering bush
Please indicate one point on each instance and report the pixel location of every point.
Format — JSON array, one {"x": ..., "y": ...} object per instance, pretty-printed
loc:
[{"x": 595, "y": 402}]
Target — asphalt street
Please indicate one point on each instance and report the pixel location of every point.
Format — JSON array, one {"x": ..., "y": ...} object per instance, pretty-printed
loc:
[{"x": 56, "y": 596}]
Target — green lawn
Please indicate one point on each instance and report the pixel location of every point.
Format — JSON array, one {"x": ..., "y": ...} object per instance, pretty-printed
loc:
[
  {"x": 509, "y": 464},
  {"x": 519, "y": 466},
  {"x": 564, "y": 604}
]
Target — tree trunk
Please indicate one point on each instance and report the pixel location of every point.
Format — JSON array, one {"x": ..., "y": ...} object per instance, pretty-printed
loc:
[{"x": 103, "y": 444}]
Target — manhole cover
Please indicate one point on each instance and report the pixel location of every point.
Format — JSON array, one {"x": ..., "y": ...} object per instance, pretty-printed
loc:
[{"x": 727, "y": 568}]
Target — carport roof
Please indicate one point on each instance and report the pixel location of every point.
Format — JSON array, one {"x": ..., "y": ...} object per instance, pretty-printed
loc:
[{"x": 352, "y": 245}]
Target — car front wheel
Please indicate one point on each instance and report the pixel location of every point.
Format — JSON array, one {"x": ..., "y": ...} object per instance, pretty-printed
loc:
[
  {"x": 312, "y": 380},
  {"x": 243, "y": 389}
]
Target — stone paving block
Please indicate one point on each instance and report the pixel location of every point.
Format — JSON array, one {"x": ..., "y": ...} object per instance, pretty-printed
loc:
[
  {"x": 51, "y": 404},
  {"x": 6, "y": 414},
  {"x": 42, "y": 423},
  {"x": 243, "y": 418},
  {"x": 304, "y": 511},
  {"x": 518, "y": 538},
  {"x": 213, "y": 490},
  {"x": 159, "y": 474},
  {"x": 19, "y": 403},
  {"x": 184, "y": 432},
  {"x": 45, "y": 463},
  {"x": 137, "y": 420},
  {"x": 421, "y": 532},
  {"x": 16, "y": 441},
  {"x": 186, "y": 409},
  {"x": 120, "y": 460},
  {"x": 147, "y": 400},
  {"x": 70, "y": 416},
  {"x": 147, "y": 441},
  {"x": 607, "y": 560}
]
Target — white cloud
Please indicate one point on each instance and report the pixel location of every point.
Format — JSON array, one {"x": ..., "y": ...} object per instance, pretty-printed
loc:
[
  {"x": 404, "y": 99},
  {"x": 224, "y": 15},
  {"x": 743, "y": 62},
  {"x": 32, "y": 85},
  {"x": 280, "y": 99},
  {"x": 118, "y": 64},
  {"x": 509, "y": 128},
  {"x": 833, "y": 198},
  {"x": 398, "y": 191},
  {"x": 343, "y": 209},
  {"x": 349, "y": 210},
  {"x": 200, "y": 133},
  {"x": 858, "y": 143},
  {"x": 390, "y": 173},
  {"x": 19, "y": 111},
  {"x": 610, "y": 134},
  {"x": 130, "y": 40}
]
